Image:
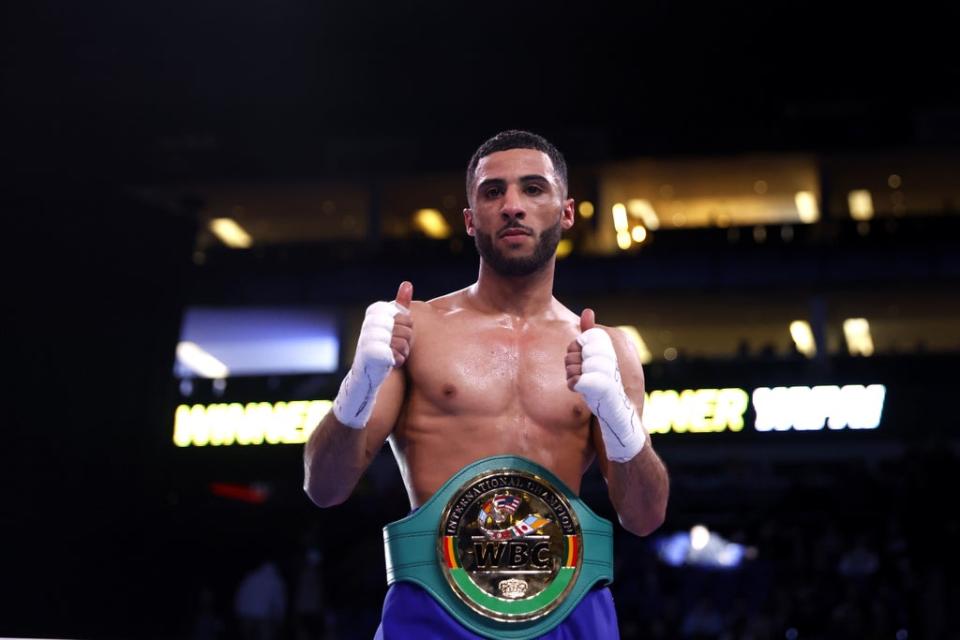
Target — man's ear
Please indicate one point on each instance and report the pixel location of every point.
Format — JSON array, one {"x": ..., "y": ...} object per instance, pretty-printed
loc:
[
  {"x": 567, "y": 214},
  {"x": 468, "y": 221}
]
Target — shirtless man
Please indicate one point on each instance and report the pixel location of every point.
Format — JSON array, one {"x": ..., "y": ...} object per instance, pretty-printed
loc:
[{"x": 500, "y": 367}]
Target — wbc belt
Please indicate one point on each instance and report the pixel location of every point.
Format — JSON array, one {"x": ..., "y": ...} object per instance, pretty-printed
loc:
[{"x": 504, "y": 546}]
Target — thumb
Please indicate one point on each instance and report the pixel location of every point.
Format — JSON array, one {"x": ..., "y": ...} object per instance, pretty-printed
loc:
[
  {"x": 587, "y": 320},
  {"x": 405, "y": 294}
]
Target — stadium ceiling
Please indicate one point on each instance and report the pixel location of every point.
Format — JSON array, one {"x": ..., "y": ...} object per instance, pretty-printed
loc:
[{"x": 294, "y": 89}]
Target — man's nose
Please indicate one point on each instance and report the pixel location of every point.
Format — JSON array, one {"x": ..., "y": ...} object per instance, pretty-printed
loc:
[{"x": 512, "y": 205}]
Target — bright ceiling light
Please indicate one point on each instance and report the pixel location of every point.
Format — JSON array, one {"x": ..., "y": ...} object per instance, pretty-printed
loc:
[
  {"x": 861, "y": 204},
  {"x": 807, "y": 207},
  {"x": 196, "y": 359},
  {"x": 642, "y": 209},
  {"x": 230, "y": 233},
  {"x": 699, "y": 537},
  {"x": 432, "y": 223},
  {"x": 857, "y": 333},
  {"x": 802, "y": 336},
  {"x": 620, "y": 219}
]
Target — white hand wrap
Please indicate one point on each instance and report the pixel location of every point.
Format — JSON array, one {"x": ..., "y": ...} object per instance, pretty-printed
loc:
[
  {"x": 602, "y": 389},
  {"x": 371, "y": 364}
]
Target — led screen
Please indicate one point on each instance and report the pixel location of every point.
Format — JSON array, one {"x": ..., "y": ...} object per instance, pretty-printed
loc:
[{"x": 241, "y": 341}]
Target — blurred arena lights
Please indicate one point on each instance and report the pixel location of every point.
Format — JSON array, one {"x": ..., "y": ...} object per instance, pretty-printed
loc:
[
  {"x": 856, "y": 331},
  {"x": 701, "y": 547},
  {"x": 699, "y": 537},
  {"x": 807, "y": 207},
  {"x": 638, "y": 234},
  {"x": 860, "y": 203},
  {"x": 619, "y": 212},
  {"x": 643, "y": 210},
  {"x": 230, "y": 233},
  {"x": 802, "y": 336},
  {"x": 200, "y": 362},
  {"x": 621, "y": 226},
  {"x": 251, "y": 494},
  {"x": 432, "y": 223},
  {"x": 586, "y": 209}
]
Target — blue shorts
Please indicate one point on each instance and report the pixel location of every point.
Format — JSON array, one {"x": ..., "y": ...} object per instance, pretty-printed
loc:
[{"x": 411, "y": 612}]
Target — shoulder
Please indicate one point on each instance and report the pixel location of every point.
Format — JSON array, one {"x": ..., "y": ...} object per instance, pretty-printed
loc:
[
  {"x": 628, "y": 358},
  {"x": 562, "y": 315},
  {"x": 621, "y": 342},
  {"x": 439, "y": 307},
  {"x": 448, "y": 302}
]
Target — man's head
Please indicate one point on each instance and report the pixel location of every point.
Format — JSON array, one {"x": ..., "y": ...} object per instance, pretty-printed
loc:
[
  {"x": 516, "y": 139},
  {"x": 517, "y": 190}
]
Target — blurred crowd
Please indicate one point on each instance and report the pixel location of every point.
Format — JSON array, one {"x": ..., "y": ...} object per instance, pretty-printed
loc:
[{"x": 848, "y": 550}]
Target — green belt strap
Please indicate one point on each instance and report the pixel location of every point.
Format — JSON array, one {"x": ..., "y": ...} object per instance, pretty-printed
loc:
[{"x": 411, "y": 551}]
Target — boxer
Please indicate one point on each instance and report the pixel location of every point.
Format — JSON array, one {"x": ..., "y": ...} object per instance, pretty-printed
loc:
[{"x": 495, "y": 400}]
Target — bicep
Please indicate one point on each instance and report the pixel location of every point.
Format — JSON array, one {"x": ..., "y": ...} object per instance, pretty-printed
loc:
[{"x": 386, "y": 412}]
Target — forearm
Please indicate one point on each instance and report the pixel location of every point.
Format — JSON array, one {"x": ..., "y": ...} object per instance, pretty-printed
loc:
[
  {"x": 610, "y": 379},
  {"x": 366, "y": 406},
  {"x": 334, "y": 459},
  {"x": 638, "y": 490}
]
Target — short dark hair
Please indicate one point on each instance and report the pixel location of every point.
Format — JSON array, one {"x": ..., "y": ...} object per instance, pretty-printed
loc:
[{"x": 517, "y": 139}]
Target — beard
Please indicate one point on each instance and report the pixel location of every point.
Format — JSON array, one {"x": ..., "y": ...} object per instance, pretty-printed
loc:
[{"x": 504, "y": 265}]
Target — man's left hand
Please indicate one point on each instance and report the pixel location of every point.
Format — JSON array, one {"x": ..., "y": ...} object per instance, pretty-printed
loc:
[{"x": 593, "y": 372}]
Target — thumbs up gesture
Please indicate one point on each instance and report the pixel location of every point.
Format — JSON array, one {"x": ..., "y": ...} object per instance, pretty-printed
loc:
[
  {"x": 594, "y": 373},
  {"x": 402, "y": 325},
  {"x": 385, "y": 339},
  {"x": 574, "y": 359}
]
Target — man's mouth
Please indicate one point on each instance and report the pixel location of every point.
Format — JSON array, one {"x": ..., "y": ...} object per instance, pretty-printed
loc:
[{"x": 514, "y": 231}]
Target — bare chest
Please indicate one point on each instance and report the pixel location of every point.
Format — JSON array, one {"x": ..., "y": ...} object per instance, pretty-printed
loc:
[{"x": 495, "y": 372}]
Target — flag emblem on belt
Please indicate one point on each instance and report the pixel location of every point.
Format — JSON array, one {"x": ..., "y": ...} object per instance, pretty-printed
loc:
[{"x": 510, "y": 545}]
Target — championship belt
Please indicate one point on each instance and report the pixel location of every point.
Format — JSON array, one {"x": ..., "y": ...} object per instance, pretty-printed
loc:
[{"x": 504, "y": 546}]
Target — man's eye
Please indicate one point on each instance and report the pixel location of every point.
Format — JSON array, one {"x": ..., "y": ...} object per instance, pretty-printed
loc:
[
  {"x": 493, "y": 192},
  {"x": 534, "y": 190}
]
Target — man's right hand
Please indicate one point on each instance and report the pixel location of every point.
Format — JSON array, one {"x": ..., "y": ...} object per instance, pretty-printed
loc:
[
  {"x": 402, "y": 335},
  {"x": 384, "y": 343}
]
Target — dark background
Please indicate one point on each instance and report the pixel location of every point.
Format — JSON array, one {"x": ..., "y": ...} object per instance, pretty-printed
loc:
[{"x": 106, "y": 529}]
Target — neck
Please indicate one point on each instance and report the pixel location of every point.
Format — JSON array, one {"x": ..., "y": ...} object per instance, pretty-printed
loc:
[{"x": 522, "y": 296}]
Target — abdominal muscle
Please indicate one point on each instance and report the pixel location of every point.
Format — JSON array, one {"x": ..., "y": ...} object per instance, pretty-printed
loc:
[{"x": 430, "y": 449}]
